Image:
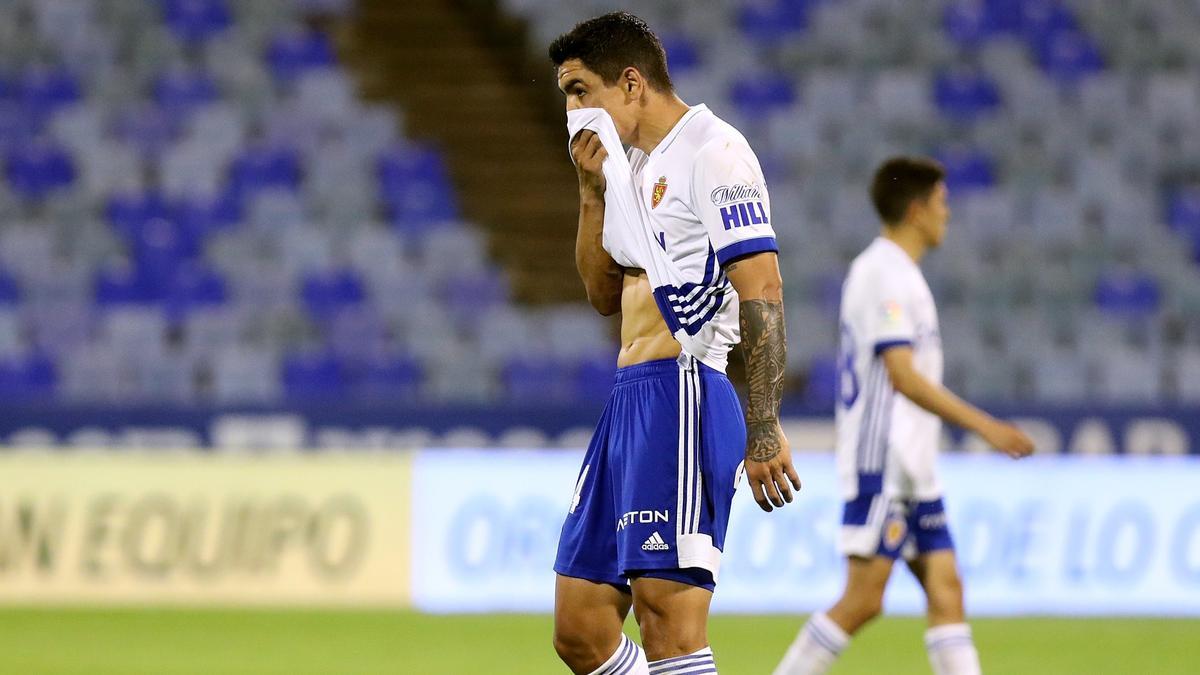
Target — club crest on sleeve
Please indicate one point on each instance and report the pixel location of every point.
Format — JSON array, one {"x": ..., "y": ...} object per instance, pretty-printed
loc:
[{"x": 660, "y": 189}]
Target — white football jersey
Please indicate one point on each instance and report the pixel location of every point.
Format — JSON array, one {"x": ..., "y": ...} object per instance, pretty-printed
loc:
[
  {"x": 707, "y": 199},
  {"x": 884, "y": 441}
]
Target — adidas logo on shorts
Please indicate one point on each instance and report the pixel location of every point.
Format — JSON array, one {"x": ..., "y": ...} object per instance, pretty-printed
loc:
[{"x": 655, "y": 543}]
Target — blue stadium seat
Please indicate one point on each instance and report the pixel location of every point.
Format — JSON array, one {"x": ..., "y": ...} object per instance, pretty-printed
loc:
[
  {"x": 1041, "y": 20},
  {"x": 180, "y": 91},
  {"x": 683, "y": 55},
  {"x": 971, "y": 23},
  {"x": 964, "y": 94},
  {"x": 10, "y": 290},
  {"x": 195, "y": 21},
  {"x": 159, "y": 248},
  {"x": 43, "y": 89},
  {"x": 1183, "y": 211},
  {"x": 37, "y": 168},
  {"x": 395, "y": 379},
  {"x": 967, "y": 169},
  {"x": 193, "y": 286},
  {"x": 1068, "y": 56},
  {"x": 326, "y": 294},
  {"x": 297, "y": 50},
  {"x": 1127, "y": 293},
  {"x": 31, "y": 376},
  {"x": 120, "y": 284},
  {"x": 770, "y": 21},
  {"x": 314, "y": 376},
  {"x": 415, "y": 187},
  {"x": 262, "y": 166},
  {"x": 128, "y": 212},
  {"x": 203, "y": 215},
  {"x": 757, "y": 96}
]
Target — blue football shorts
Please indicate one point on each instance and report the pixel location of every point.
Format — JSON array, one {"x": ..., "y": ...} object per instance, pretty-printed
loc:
[
  {"x": 653, "y": 495},
  {"x": 879, "y": 525}
]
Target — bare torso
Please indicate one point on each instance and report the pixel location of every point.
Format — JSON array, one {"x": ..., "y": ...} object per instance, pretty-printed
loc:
[{"x": 644, "y": 334}]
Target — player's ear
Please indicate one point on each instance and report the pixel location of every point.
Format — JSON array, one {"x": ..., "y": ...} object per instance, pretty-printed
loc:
[{"x": 631, "y": 83}]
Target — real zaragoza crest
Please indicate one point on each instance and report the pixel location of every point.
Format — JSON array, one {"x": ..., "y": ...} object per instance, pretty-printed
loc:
[{"x": 660, "y": 189}]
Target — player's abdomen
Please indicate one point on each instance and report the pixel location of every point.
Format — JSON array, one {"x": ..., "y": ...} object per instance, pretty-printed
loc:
[{"x": 644, "y": 335}]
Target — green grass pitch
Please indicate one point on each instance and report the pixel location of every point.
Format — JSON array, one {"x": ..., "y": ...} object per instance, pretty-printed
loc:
[{"x": 174, "y": 642}]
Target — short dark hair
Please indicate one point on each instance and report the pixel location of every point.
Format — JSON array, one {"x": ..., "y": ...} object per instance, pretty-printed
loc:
[
  {"x": 609, "y": 44},
  {"x": 900, "y": 181}
]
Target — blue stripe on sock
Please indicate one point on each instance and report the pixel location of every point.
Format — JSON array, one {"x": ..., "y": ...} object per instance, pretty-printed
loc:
[
  {"x": 629, "y": 661},
  {"x": 621, "y": 665},
  {"x": 705, "y": 666},
  {"x": 677, "y": 664},
  {"x": 950, "y": 641},
  {"x": 819, "y": 636},
  {"x": 703, "y": 653}
]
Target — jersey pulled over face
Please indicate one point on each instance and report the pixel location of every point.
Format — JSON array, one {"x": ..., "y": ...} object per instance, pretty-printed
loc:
[
  {"x": 708, "y": 202},
  {"x": 884, "y": 441}
]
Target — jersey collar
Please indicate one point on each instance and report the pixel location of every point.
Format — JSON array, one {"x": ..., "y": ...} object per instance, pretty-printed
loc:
[{"x": 674, "y": 132}]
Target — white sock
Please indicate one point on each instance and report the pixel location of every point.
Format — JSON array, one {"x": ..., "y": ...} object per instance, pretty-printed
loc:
[
  {"x": 816, "y": 647},
  {"x": 951, "y": 650},
  {"x": 629, "y": 659},
  {"x": 696, "y": 663}
]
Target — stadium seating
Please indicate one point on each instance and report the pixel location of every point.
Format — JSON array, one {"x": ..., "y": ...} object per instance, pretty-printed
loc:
[
  {"x": 1071, "y": 145},
  {"x": 197, "y": 207}
]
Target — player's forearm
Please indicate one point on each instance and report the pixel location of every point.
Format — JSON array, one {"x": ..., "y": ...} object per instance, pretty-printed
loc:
[
  {"x": 601, "y": 274},
  {"x": 941, "y": 402},
  {"x": 764, "y": 345}
]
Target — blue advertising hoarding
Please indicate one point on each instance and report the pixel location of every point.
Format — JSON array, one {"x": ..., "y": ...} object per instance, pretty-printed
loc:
[{"x": 1049, "y": 535}]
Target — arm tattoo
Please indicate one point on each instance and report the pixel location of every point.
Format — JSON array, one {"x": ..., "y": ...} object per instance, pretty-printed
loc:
[{"x": 764, "y": 345}]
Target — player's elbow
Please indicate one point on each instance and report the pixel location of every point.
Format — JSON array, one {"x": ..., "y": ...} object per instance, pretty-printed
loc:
[
  {"x": 767, "y": 287},
  {"x": 603, "y": 298},
  {"x": 605, "y": 306}
]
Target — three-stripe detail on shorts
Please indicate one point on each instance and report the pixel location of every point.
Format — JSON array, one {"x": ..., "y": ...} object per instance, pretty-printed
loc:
[{"x": 687, "y": 507}]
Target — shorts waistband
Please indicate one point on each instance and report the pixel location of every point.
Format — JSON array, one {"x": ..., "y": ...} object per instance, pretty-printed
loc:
[{"x": 659, "y": 368}]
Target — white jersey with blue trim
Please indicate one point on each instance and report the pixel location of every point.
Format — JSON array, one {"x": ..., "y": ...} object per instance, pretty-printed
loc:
[
  {"x": 884, "y": 441},
  {"x": 708, "y": 203}
]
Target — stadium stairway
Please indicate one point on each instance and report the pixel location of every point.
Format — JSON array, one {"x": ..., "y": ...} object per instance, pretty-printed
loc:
[{"x": 464, "y": 84}]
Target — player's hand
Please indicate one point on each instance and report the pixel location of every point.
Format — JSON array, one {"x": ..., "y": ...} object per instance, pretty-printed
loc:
[
  {"x": 769, "y": 465},
  {"x": 589, "y": 155},
  {"x": 1008, "y": 439}
]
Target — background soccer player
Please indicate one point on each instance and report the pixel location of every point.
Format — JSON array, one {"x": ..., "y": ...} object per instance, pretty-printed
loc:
[
  {"x": 647, "y": 523},
  {"x": 887, "y": 444}
]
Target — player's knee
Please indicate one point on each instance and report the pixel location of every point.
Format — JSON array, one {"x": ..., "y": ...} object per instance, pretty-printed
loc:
[
  {"x": 869, "y": 607},
  {"x": 577, "y": 647},
  {"x": 859, "y": 609},
  {"x": 664, "y": 636}
]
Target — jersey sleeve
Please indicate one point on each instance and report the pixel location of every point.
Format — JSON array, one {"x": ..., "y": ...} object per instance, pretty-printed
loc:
[
  {"x": 732, "y": 202},
  {"x": 889, "y": 314}
]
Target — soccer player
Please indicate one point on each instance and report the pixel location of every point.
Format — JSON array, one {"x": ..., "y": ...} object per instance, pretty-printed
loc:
[
  {"x": 887, "y": 443},
  {"x": 647, "y": 522}
]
